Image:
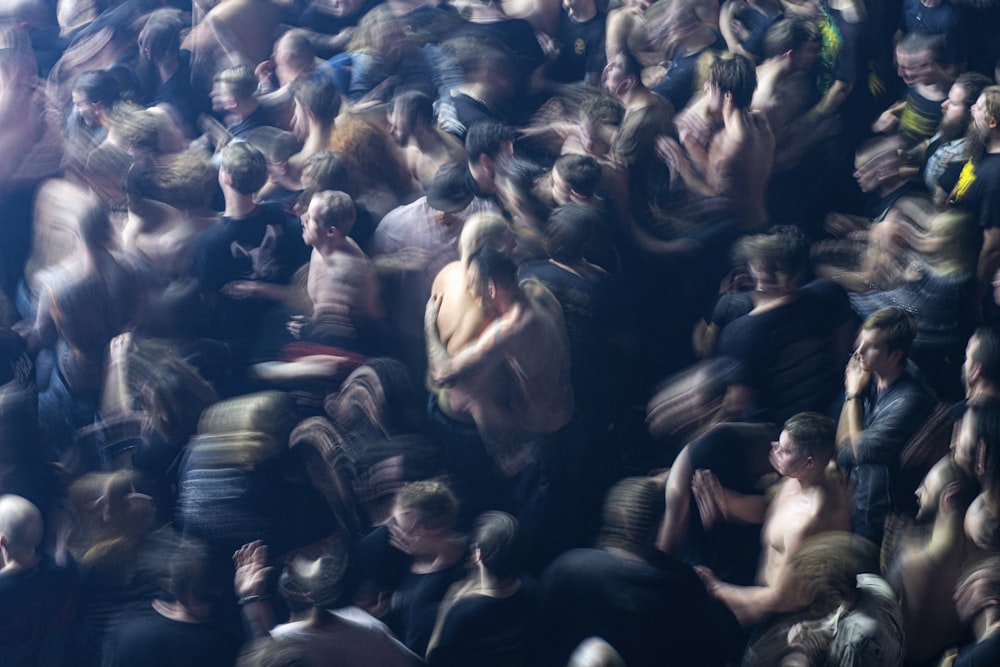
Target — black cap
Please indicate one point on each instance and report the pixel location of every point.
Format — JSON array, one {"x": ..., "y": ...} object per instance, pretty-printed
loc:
[{"x": 450, "y": 191}]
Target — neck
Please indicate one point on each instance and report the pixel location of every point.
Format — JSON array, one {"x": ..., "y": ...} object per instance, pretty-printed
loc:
[
  {"x": 987, "y": 623},
  {"x": 947, "y": 535},
  {"x": 584, "y": 16},
  {"x": 885, "y": 381},
  {"x": 239, "y": 205},
  {"x": 18, "y": 562}
]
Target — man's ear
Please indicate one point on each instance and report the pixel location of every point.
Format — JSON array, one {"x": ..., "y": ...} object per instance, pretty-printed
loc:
[
  {"x": 948, "y": 496},
  {"x": 896, "y": 357}
]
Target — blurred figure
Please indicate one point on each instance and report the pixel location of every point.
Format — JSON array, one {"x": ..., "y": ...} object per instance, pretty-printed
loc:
[
  {"x": 595, "y": 652},
  {"x": 977, "y": 599},
  {"x": 37, "y": 596},
  {"x": 234, "y": 97},
  {"x": 949, "y": 147},
  {"x": 926, "y": 571},
  {"x": 489, "y": 619},
  {"x": 885, "y": 402},
  {"x": 159, "y": 50},
  {"x": 810, "y": 500},
  {"x": 180, "y": 630},
  {"x": 981, "y": 367},
  {"x": 426, "y": 147},
  {"x": 650, "y": 608}
]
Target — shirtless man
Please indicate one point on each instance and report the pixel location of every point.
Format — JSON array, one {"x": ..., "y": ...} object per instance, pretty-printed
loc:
[
  {"x": 343, "y": 293},
  {"x": 927, "y": 571},
  {"x": 809, "y": 501},
  {"x": 233, "y": 32},
  {"x": 426, "y": 147},
  {"x": 528, "y": 340},
  {"x": 734, "y": 161}
]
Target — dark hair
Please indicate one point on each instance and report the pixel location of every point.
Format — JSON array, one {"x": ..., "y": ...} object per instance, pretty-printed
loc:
[
  {"x": 987, "y": 353},
  {"x": 500, "y": 543},
  {"x": 788, "y": 34},
  {"x": 986, "y": 418},
  {"x": 329, "y": 171},
  {"x": 734, "y": 74},
  {"x": 160, "y": 36},
  {"x": 915, "y": 42},
  {"x": 813, "y": 433},
  {"x": 633, "y": 509},
  {"x": 433, "y": 501},
  {"x": 783, "y": 249},
  {"x": 494, "y": 265},
  {"x": 319, "y": 96},
  {"x": 99, "y": 86},
  {"x": 415, "y": 107},
  {"x": 336, "y": 210},
  {"x": 485, "y": 138},
  {"x": 898, "y": 328},
  {"x": 582, "y": 173},
  {"x": 569, "y": 229},
  {"x": 95, "y": 227},
  {"x": 973, "y": 84},
  {"x": 246, "y": 166}
]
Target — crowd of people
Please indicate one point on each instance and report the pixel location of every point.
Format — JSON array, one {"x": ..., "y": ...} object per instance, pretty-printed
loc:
[{"x": 495, "y": 333}]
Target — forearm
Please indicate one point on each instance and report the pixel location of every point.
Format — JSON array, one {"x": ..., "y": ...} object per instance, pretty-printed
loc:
[
  {"x": 744, "y": 508},
  {"x": 851, "y": 425},
  {"x": 832, "y": 100},
  {"x": 258, "y": 617}
]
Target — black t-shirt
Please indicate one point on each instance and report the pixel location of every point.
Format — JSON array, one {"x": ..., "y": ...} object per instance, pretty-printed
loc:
[
  {"x": 786, "y": 355},
  {"x": 978, "y": 189},
  {"x": 984, "y": 654},
  {"x": 36, "y": 606},
  {"x": 677, "y": 85},
  {"x": 654, "y": 614},
  {"x": 516, "y": 35},
  {"x": 264, "y": 246},
  {"x": 581, "y": 49},
  {"x": 488, "y": 632},
  {"x": 152, "y": 640}
]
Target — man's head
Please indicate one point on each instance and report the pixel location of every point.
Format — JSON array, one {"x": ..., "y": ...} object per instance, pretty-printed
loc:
[
  {"x": 778, "y": 260},
  {"x": 481, "y": 230},
  {"x": 492, "y": 277},
  {"x": 190, "y": 580},
  {"x": 569, "y": 230},
  {"x": 317, "y": 103},
  {"x": 633, "y": 510},
  {"x": 804, "y": 446},
  {"x": 979, "y": 589},
  {"x": 293, "y": 56},
  {"x": 574, "y": 178},
  {"x": 488, "y": 143},
  {"x": 21, "y": 528},
  {"x": 622, "y": 75},
  {"x": 731, "y": 81},
  {"x": 986, "y": 115},
  {"x": 795, "y": 39},
  {"x": 885, "y": 341},
  {"x": 945, "y": 489},
  {"x": 580, "y": 10},
  {"x": 94, "y": 93},
  {"x": 918, "y": 58},
  {"x": 159, "y": 39},
  {"x": 424, "y": 512},
  {"x": 409, "y": 112},
  {"x": 233, "y": 88},
  {"x": 315, "y": 575},
  {"x": 498, "y": 544},
  {"x": 957, "y": 107},
  {"x": 243, "y": 168},
  {"x": 981, "y": 368},
  {"x": 450, "y": 193},
  {"x": 977, "y": 438},
  {"x": 328, "y": 219}
]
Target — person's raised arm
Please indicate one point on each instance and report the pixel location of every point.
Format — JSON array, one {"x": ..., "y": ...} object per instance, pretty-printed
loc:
[{"x": 250, "y": 586}]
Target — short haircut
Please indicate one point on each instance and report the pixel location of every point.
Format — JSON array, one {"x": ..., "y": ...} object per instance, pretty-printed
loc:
[
  {"x": 318, "y": 95},
  {"x": 897, "y": 328},
  {"x": 495, "y": 266},
  {"x": 481, "y": 230},
  {"x": 734, "y": 74},
  {"x": 327, "y": 170},
  {"x": 296, "y": 44},
  {"x": 973, "y": 84},
  {"x": 582, "y": 173},
  {"x": 953, "y": 475},
  {"x": 915, "y": 42},
  {"x": 987, "y": 353},
  {"x": 240, "y": 81},
  {"x": 434, "y": 503},
  {"x": 336, "y": 209},
  {"x": 789, "y": 34},
  {"x": 20, "y": 522},
  {"x": 602, "y": 108},
  {"x": 632, "y": 512},
  {"x": 99, "y": 87},
  {"x": 485, "y": 138},
  {"x": 246, "y": 166},
  {"x": 569, "y": 230},
  {"x": 783, "y": 249},
  {"x": 500, "y": 543},
  {"x": 415, "y": 106},
  {"x": 991, "y": 99},
  {"x": 813, "y": 433}
]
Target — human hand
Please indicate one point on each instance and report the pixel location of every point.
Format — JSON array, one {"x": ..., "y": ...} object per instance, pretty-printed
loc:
[
  {"x": 241, "y": 289},
  {"x": 669, "y": 151},
  {"x": 296, "y": 325},
  {"x": 710, "y": 497},
  {"x": 119, "y": 346},
  {"x": 885, "y": 122},
  {"x": 252, "y": 570},
  {"x": 712, "y": 583},
  {"x": 856, "y": 378}
]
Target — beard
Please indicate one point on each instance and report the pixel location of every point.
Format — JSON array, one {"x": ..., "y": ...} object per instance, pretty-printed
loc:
[
  {"x": 978, "y": 138},
  {"x": 951, "y": 129}
]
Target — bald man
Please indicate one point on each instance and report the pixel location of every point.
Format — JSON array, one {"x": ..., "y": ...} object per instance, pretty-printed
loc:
[{"x": 37, "y": 597}]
